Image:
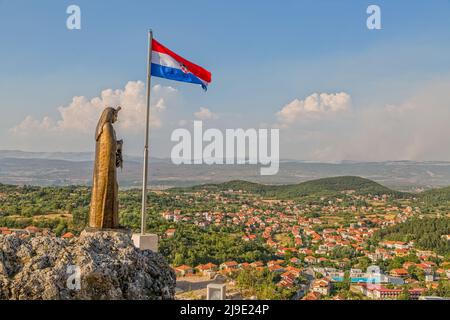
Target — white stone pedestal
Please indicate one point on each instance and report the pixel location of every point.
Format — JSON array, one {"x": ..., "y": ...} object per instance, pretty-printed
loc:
[
  {"x": 216, "y": 291},
  {"x": 146, "y": 241}
]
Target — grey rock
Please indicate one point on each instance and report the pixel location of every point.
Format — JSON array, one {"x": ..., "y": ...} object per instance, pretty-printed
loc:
[{"x": 110, "y": 268}]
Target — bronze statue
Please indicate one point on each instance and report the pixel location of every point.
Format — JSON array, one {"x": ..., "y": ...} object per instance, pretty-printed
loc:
[{"x": 108, "y": 156}]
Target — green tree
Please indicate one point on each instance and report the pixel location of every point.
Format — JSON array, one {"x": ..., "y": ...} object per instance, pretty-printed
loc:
[{"x": 405, "y": 295}]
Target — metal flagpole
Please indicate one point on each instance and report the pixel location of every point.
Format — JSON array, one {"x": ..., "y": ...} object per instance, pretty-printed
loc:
[{"x": 145, "y": 175}]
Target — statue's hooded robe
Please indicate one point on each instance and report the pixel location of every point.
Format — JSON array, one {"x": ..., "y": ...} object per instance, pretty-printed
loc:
[{"x": 104, "y": 203}]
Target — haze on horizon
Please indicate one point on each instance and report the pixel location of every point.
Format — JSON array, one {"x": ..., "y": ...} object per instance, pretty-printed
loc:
[{"x": 336, "y": 90}]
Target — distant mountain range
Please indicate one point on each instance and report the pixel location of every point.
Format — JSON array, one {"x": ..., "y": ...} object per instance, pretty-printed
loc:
[
  {"x": 68, "y": 156},
  {"x": 61, "y": 168}
]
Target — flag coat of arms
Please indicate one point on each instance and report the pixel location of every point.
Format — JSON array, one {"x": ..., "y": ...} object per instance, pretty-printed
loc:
[{"x": 167, "y": 64}]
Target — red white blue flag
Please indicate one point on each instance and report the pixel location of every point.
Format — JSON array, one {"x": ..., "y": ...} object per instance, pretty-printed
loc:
[{"x": 167, "y": 64}]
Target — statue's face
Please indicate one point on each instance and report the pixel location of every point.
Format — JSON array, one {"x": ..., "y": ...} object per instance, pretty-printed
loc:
[{"x": 115, "y": 117}]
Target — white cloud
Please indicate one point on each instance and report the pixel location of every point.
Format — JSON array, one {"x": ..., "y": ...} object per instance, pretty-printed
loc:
[
  {"x": 205, "y": 114},
  {"x": 29, "y": 123},
  {"x": 321, "y": 127},
  {"x": 314, "y": 106},
  {"x": 81, "y": 114},
  {"x": 415, "y": 129}
]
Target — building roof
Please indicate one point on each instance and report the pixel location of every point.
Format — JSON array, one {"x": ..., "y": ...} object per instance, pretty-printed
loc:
[
  {"x": 68, "y": 235},
  {"x": 183, "y": 268},
  {"x": 400, "y": 271}
]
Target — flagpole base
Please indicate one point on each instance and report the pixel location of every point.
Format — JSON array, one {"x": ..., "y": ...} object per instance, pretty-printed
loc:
[{"x": 147, "y": 241}]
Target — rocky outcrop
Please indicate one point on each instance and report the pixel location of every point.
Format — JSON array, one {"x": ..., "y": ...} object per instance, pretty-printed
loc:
[{"x": 96, "y": 265}]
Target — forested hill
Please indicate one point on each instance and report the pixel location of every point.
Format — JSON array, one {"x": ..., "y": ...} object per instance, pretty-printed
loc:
[
  {"x": 440, "y": 194},
  {"x": 434, "y": 199},
  {"x": 426, "y": 233},
  {"x": 325, "y": 186}
]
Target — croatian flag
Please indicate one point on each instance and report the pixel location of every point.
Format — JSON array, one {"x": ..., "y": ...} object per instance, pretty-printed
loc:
[{"x": 167, "y": 64}]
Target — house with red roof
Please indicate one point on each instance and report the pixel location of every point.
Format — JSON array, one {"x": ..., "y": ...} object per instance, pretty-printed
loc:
[
  {"x": 312, "y": 296},
  {"x": 310, "y": 259},
  {"x": 427, "y": 267},
  {"x": 184, "y": 270},
  {"x": 206, "y": 267},
  {"x": 276, "y": 268},
  {"x": 229, "y": 265},
  {"x": 306, "y": 251},
  {"x": 322, "y": 286},
  {"x": 170, "y": 232},
  {"x": 295, "y": 271},
  {"x": 244, "y": 265},
  {"x": 287, "y": 279},
  {"x": 401, "y": 272},
  {"x": 381, "y": 292},
  {"x": 408, "y": 264}
]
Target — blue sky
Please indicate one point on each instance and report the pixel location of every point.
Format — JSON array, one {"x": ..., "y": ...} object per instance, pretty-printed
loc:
[{"x": 263, "y": 55}]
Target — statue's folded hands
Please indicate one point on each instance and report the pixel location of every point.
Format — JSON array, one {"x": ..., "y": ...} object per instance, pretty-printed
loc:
[{"x": 119, "y": 158}]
